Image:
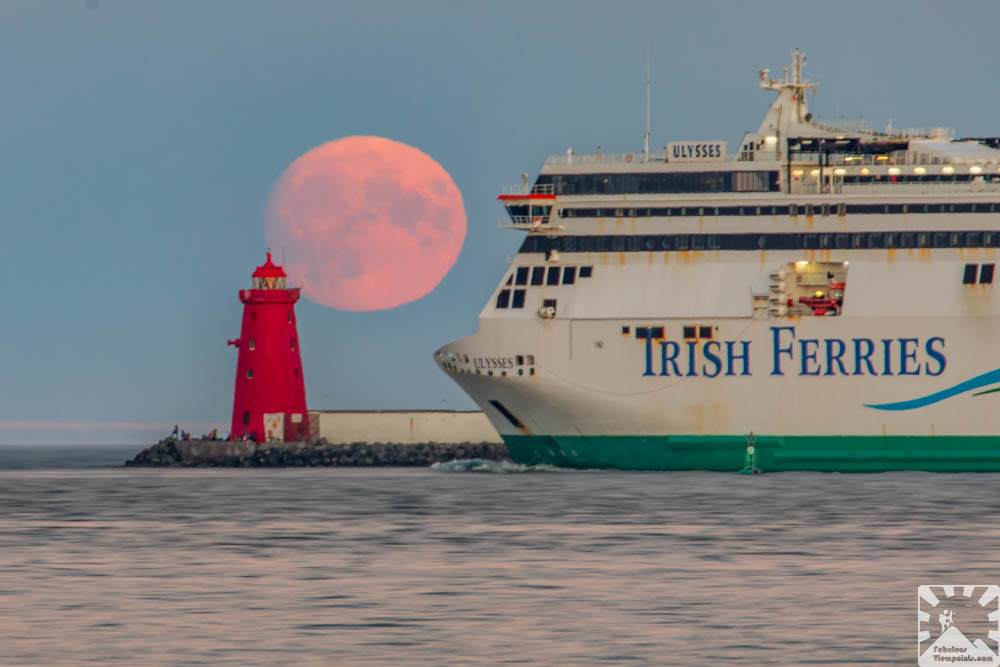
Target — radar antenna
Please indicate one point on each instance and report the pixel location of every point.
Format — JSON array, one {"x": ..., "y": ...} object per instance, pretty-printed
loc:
[{"x": 645, "y": 141}]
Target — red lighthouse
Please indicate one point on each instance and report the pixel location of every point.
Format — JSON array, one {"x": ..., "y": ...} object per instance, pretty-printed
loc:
[{"x": 270, "y": 396}]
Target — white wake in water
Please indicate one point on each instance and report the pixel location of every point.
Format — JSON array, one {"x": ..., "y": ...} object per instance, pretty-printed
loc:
[{"x": 482, "y": 465}]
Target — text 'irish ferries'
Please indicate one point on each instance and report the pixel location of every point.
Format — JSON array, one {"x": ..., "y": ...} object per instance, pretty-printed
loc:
[{"x": 791, "y": 355}]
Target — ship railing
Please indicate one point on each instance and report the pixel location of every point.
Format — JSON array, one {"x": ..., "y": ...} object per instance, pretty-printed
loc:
[
  {"x": 810, "y": 187},
  {"x": 926, "y": 188},
  {"x": 604, "y": 158},
  {"x": 537, "y": 189},
  {"x": 861, "y": 126},
  {"x": 521, "y": 221}
]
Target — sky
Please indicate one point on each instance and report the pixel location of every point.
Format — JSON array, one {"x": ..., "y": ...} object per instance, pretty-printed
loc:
[{"x": 139, "y": 142}]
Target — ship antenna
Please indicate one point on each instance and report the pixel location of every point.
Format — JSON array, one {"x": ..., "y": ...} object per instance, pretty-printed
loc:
[{"x": 645, "y": 141}]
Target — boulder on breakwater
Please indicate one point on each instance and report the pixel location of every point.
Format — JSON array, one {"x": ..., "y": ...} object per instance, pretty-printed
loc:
[{"x": 172, "y": 452}]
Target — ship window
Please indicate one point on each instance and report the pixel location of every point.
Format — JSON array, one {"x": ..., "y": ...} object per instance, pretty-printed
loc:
[
  {"x": 704, "y": 332},
  {"x": 553, "y": 277},
  {"x": 548, "y": 303},
  {"x": 531, "y": 360},
  {"x": 250, "y": 373},
  {"x": 510, "y": 280},
  {"x": 656, "y": 332},
  {"x": 518, "y": 301},
  {"x": 569, "y": 275},
  {"x": 538, "y": 275},
  {"x": 246, "y": 418},
  {"x": 586, "y": 271},
  {"x": 522, "y": 275},
  {"x": 503, "y": 298},
  {"x": 520, "y": 360},
  {"x": 253, "y": 344},
  {"x": 569, "y": 243},
  {"x": 793, "y": 210},
  {"x": 626, "y": 330},
  {"x": 986, "y": 274},
  {"x": 809, "y": 210},
  {"x": 690, "y": 332},
  {"x": 970, "y": 274},
  {"x": 642, "y": 332}
]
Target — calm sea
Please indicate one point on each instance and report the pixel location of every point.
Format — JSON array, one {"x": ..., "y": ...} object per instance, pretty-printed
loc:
[{"x": 449, "y": 566}]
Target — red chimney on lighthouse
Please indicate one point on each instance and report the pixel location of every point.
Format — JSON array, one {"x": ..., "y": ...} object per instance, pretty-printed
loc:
[{"x": 270, "y": 395}]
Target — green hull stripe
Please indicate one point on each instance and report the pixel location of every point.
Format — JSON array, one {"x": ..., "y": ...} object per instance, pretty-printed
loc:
[{"x": 828, "y": 453}]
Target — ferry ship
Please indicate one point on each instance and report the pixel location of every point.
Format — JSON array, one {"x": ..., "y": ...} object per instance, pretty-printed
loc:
[{"x": 823, "y": 298}]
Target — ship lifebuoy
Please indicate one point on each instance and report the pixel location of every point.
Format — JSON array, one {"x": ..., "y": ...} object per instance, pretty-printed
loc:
[{"x": 628, "y": 158}]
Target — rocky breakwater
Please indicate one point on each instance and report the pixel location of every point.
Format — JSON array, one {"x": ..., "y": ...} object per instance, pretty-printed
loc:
[{"x": 222, "y": 453}]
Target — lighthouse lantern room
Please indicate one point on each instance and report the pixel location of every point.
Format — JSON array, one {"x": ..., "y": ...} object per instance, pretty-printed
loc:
[{"x": 269, "y": 400}]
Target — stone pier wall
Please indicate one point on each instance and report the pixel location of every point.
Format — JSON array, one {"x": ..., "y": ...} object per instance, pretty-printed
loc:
[{"x": 220, "y": 453}]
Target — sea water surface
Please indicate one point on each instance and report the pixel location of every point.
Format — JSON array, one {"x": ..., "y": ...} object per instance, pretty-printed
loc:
[{"x": 448, "y": 565}]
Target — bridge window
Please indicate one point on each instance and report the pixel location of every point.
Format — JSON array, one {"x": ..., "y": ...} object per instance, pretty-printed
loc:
[
  {"x": 553, "y": 277},
  {"x": 538, "y": 275},
  {"x": 518, "y": 301},
  {"x": 522, "y": 276},
  {"x": 503, "y": 298},
  {"x": 569, "y": 275},
  {"x": 986, "y": 274}
]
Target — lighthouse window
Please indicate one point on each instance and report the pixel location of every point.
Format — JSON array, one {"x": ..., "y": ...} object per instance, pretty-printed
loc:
[
  {"x": 295, "y": 372},
  {"x": 537, "y": 275},
  {"x": 253, "y": 344},
  {"x": 986, "y": 274},
  {"x": 292, "y": 343},
  {"x": 553, "y": 277},
  {"x": 246, "y": 418},
  {"x": 522, "y": 275},
  {"x": 250, "y": 373},
  {"x": 970, "y": 274},
  {"x": 503, "y": 298},
  {"x": 253, "y": 315},
  {"x": 518, "y": 301},
  {"x": 289, "y": 317}
]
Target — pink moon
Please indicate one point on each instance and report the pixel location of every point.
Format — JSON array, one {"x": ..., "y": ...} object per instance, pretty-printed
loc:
[{"x": 366, "y": 223}]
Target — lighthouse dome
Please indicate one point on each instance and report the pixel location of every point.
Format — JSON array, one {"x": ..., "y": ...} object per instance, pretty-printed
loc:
[{"x": 269, "y": 275}]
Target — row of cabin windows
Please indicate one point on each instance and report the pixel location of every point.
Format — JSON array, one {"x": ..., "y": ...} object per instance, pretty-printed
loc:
[
  {"x": 295, "y": 373},
  {"x": 548, "y": 275},
  {"x": 793, "y": 210},
  {"x": 253, "y": 343},
  {"x": 701, "y": 332},
  {"x": 661, "y": 183},
  {"x": 776, "y": 241},
  {"x": 985, "y": 272}
]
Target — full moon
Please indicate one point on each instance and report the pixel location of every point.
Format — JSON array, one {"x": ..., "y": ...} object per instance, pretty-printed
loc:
[{"x": 366, "y": 223}]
